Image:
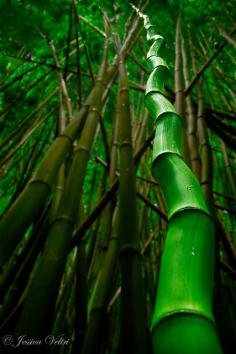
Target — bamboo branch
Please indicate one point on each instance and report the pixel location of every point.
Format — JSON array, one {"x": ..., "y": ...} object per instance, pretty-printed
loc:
[
  {"x": 203, "y": 68},
  {"x": 227, "y": 36}
]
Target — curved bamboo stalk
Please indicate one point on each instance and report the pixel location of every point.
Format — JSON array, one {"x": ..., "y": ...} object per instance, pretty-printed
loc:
[{"x": 183, "y": 311}]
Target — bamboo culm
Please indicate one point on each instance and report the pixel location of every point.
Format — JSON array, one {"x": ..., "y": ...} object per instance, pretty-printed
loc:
[
  {"x": 133, "y": 324},
  {"x": 187, "y": 264}
]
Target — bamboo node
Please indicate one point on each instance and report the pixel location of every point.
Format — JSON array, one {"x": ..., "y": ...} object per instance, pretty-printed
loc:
[
  {"x": 65, "y": 218},
  {"x": 129, "y": 248},
  {"x": 125, "y": 143},
  {"x": 39, "y": 180},
  {"x": 124, "y": 89},
  {"x": 67, "y": 137},
  {"x": 82, "y": 148},
  {"x": 94, "y": 109},
  {"x": 99, "y": 79}
]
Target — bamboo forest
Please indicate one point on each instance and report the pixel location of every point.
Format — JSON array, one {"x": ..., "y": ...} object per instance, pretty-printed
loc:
[{"x": 117, "y": 177}]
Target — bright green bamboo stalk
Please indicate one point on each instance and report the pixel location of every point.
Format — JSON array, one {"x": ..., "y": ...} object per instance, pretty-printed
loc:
[{"x": 182, "y": 321}]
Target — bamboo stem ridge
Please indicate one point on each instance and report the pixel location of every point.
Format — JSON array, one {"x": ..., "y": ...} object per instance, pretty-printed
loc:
[{"x": 183, "y": 310}]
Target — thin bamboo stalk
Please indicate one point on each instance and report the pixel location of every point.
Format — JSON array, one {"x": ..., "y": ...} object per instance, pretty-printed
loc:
[
  {"x": 133, "y": 326},
  {"x": 191, "y": 121},
  {"x": 79, "y": 82},
  {"x": 106, "y": 197},
  {"x": 97, "y": 315},
  {"x": 11, "y": 152},
  {"x": 227, "y": 36},
  {"x": 179, "y": 89},
  {"x": 208, "y": 62},
  {"x": 25, "y": 123},
  {"x": 206, "y": 165},
  {"x": 8, "y": 108},
  {"x": 25, "y": 267},
  {"x": 61, "y": 80},
  {"x": 17, "y": 78},
  {"x": 81, "y": 292}
]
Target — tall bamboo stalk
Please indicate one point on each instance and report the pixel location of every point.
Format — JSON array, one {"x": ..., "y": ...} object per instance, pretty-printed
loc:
[
  {"x": 191, "y": 121},
  {"x": 179, "y": 90},
  {"x": 133, "y": 324},
  {"x": 95, "y": 332},
  {"x": 187, "y": 265},
  {"x": 206, "y": 165}
]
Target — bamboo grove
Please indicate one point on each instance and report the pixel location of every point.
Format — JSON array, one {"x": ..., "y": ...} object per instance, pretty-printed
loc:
[{"x": 117, "y": 189}]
